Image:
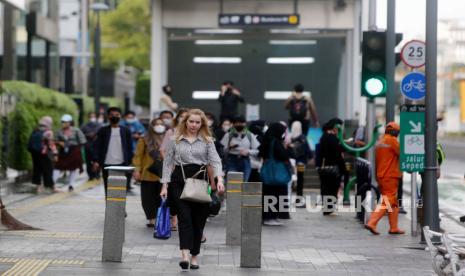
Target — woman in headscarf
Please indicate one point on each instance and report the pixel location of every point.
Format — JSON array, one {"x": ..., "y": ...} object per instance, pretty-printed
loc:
[
  {"x": 257, "y": 129},
  {"x": 147, "y": 151},
  {"x": 302, "y": 153},
  {"x": 273, "y": 142},
  {"x": 331, "y": 152}
]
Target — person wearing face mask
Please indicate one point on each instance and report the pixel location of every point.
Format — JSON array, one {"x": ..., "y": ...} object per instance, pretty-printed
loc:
[
  {"x": 239, "y": 144},
  {"x": 69, "y": 140},
  {"x": 148, "y": 150},
  {"x": 90, "y": 130},
  {"x": 171, "y": 131},
  {"x": 167, "y": 117},
  {"x": 225, "y": 127},
  {"x": 166, "y": 101},
  {"x": 113, "y": 146},
  {"x": 137, "y": 129}
]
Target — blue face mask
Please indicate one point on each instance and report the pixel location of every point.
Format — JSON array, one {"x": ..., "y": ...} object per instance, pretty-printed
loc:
[{"x": 131, "y": 121}]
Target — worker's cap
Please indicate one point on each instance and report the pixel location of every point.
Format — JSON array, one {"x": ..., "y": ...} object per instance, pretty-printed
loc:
[
  {"x": 66, "y": 118},
  {"x": 393, "y": 125}
]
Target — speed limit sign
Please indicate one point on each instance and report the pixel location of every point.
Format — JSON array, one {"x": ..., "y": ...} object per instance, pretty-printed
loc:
[{"x": 413, "y": 53}]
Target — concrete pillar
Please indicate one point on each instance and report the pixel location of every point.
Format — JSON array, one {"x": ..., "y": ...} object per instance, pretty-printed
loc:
[
  {"x": 115, "y": 212},
  {"x": 251, "y": 225},
  {"x": 10, "y": 16},
  {"x": 233, "y": 212},
  {"x": 157, "y": 56}
]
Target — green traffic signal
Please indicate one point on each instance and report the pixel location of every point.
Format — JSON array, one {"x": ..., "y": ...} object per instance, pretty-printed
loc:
[{"x": 375, "y": 86}]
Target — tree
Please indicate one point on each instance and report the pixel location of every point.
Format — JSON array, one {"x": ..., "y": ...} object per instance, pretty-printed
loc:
[{"x": 126, "y": 35}]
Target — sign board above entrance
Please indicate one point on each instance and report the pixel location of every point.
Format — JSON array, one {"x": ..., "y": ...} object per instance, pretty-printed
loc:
[{"x": 225, "y": 20}]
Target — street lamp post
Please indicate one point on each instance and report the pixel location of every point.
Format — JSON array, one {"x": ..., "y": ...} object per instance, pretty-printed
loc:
[{"x": 97, "y": 8}]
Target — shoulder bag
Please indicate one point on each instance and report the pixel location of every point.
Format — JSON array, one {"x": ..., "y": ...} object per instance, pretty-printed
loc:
[
  {"x": 274, "y": 172},
  {"x": 325, "y": 170}
]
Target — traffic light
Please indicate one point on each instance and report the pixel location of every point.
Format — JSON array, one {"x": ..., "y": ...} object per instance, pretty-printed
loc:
[{"x": 374, "y": 64}]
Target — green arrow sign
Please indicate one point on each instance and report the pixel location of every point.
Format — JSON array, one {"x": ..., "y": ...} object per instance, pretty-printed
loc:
[{"x": 412, "y": 138}]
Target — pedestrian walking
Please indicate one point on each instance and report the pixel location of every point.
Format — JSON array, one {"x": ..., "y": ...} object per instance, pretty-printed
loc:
[
  {"x": 273, "y": 148},
  {"x": 301, "y": 108},
  {"x": 388, "y": 175},
  {"x": 166, "y": 100},
  {"x": 186, "y": 156},
  {"x": 147, "y": 158},
  {"x": 238, "y": 145},
  {"x": 225, "y": 127},
  {"x": 256, "y": 128},
  {"x": 229, "y": 99},
  {"x": 90, "y": 130},
  {"x": 332, "y": 166},
  {"x": 113, "y": 146},
  {"x": 167, "y": 117},
  {"x": 131, "y": 122},
  {"x": 44, "y": 153},
  {"x": 170, "y": 133},
  {"x": 302, "y": 154},
  {"x": 69, "y": 140}
]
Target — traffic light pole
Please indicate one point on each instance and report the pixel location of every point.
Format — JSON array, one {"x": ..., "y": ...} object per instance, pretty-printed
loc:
[
  {"x": 431, "y": 205},
  {"x": 371, "y": 113},
  {"x": 390, "y": 60}
]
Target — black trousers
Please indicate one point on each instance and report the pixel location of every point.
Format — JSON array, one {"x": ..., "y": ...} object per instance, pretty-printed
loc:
[
  {"x": 192, "y": 216},
  {"x": 400, "y": 192},
  {"x": 329, "y": 188},
  {"x": 275, "y": 191},
  {"x": 150, "y": 196},
  {"x": 42, "y": 169},
  {"x": 105, "y": 177},
  {"x": 300, "y": 180},
  {"x": 90, "y": 172}
]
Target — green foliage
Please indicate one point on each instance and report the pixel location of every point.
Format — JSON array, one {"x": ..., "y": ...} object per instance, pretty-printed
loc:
[
  {"x": 33, "y": 102},
  {"x": 127, "y": 32},
  {"x": 143, "y": 91}
]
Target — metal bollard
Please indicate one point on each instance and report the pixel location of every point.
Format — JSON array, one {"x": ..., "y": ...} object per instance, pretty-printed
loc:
[
  {"x": 115, "y": 212},
  {"x": 251, "y": 225},
  {"x": 233, "y": 211}
]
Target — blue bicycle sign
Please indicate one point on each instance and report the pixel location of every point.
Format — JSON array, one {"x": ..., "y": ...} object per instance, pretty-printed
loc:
[{"x": 413, "y": 86}]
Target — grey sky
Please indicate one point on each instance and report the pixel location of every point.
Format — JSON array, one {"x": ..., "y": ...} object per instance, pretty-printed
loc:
[{"x": 411, "y": 15}]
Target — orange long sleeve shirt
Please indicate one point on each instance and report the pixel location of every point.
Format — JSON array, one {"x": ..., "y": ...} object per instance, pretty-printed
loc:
[{"x": 387, "y": 157}]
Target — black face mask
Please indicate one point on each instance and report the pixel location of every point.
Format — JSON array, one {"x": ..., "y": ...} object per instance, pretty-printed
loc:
[
  {"x": 114, "y": 120},
  {"x": 239, "y": 128}
]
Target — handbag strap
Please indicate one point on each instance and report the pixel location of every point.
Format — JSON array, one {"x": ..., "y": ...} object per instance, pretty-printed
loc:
[
  {"x": 202, "y": 169},
  {"x": 271, "y": 149}
]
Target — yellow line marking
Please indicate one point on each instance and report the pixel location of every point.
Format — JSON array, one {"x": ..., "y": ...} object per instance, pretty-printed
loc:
[
  {"x": 30, "y": 267},
  {"x": 53, "y": 198},
  {"x": 117, "y": 188},
  {"x": 235, "y": 181},
  {"x": 116, "y": 199},
  {"x": 234, "y": 191}
]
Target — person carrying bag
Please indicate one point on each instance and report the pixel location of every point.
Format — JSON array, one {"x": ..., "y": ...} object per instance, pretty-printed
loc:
[{"x": 187, "y": 158}]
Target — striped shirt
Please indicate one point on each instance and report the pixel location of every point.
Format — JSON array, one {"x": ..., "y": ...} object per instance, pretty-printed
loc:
[{"x": 198, "y": 152}]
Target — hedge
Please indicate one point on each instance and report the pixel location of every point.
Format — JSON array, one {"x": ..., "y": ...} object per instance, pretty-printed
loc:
[
  {"x": 33, "y": 102},
  {"x": 142, "y": 97}
]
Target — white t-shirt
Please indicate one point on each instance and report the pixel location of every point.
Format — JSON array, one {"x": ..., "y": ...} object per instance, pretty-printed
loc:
[{"x": 115, "y": 155}]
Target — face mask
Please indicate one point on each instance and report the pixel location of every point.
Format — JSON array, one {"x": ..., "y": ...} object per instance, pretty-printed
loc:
[
  {"x": 130, "y": 121},
  {"x": 114, "y": 120},
  {"x": 239, "y": 128},
  {"x": 226, "y": 128},
  {"x": 168, "y": 122},
  {"x": 100, "y": 120},
  {"x": 93, "y": 120},
  {"x": 210, "y": 123},
  {"x": 159, "y": 129}
]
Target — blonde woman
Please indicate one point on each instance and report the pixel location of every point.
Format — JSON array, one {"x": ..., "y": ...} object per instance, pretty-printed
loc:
[
  {"x": 148, "y": 150},
  {"x": 193, "y": 148}
]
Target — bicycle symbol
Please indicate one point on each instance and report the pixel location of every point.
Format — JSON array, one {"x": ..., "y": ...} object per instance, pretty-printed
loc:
[
  {"x": 415, "y": 140},
  {"x": 418, "y": 85}
]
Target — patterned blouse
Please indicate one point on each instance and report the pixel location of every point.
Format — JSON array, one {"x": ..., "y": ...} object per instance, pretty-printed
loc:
[{"x": 198, "y": 152}]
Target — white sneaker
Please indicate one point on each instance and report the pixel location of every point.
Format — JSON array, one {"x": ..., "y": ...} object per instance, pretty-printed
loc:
[
  {"x": 272, "y": 222},
  {"x": 277, "y": 222}
]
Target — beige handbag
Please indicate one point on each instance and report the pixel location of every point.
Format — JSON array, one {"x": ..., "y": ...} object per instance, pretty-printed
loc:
[{"x": 195, "y": 190}]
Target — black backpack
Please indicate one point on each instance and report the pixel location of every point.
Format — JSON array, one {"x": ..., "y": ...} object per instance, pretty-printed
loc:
[
  {"x": 35, "y": 141},
  {"x": 299, "y": 108}
]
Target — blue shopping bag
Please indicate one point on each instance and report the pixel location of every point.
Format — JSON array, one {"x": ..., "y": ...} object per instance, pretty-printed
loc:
[{"x": 163, "y": 225}]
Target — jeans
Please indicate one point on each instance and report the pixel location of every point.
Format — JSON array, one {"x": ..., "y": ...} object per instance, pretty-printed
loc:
[{"x": 236, "y": 163}]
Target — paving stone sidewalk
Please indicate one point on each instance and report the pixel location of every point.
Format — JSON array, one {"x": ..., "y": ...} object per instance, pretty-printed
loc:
[{"x": 308, "y": 244}]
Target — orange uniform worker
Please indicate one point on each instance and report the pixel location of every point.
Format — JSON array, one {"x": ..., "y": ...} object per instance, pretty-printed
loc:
[{"x": 388, "y": 175}]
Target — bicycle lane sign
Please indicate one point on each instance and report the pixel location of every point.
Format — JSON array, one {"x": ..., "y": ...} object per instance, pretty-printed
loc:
[
  {"x": 413, "y": 86},
  {"x": 412, "y": 138}
]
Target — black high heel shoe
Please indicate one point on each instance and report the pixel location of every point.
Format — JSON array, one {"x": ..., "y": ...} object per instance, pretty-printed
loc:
[
  {"x": 194, "y": 266},
  {"x": 184, "y": 264}
]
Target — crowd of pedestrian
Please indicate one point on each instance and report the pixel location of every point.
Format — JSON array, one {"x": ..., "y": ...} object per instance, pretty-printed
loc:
[{"x": 183, "y": 145}]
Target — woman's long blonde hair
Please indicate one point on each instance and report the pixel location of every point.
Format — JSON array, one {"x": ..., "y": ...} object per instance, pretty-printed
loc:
[{"x": 204, "y": 131}]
